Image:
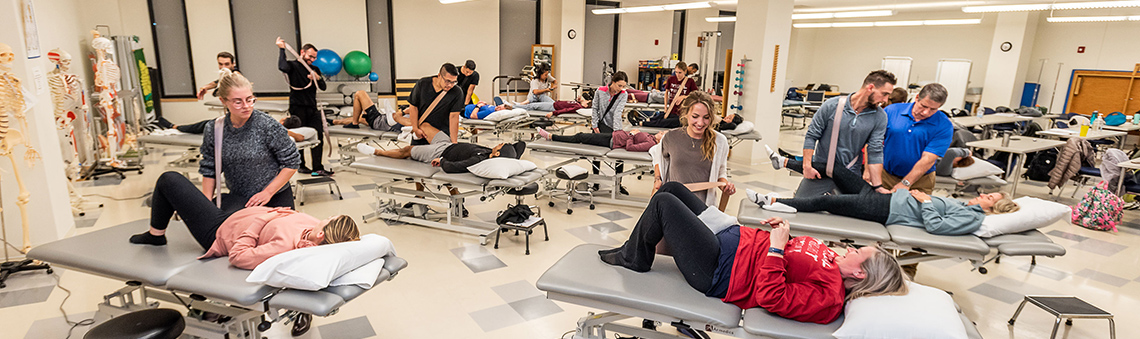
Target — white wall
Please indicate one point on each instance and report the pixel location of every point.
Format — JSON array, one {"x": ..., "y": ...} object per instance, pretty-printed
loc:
[
  {"x": 345, "y": 32},
  {"x": 695, "y": 24},
  {"x": 210, "y": 33},
  {"x": 48, "y": 210},
  {"x": 1108, "y": 46},
  {"x": 428, "y": 34},
  {"x": 571, "y": 52},
  {"x": 637, "y": 35},
  {"x": 551, "y": 22},
  {"x": 1006, "y": 77}
]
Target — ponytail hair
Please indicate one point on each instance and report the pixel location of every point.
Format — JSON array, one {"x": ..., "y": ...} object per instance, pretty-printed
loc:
[
  {"x": 708, "y": 138},
  {"x": 230, "y": 80}
]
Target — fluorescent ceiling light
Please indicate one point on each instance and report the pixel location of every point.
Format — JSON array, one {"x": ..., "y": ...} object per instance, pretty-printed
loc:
[
  {"x": 853, "y": 14},
  {"x": 896, "y": 23},
  {"x": 853, "y": 24},
  {"x": 809, "y": 16},
  {"x": 951, "y": 22},
  {"x": 893, "y": 6},
  {"x": 813, "y": 25},
  {"x": 608, "y": 11},
  {"x": 643, "y": 9},
  {"x": 452, "y": 1},
  {"x": 721, "y": 19},
  {"x": 1093, "y": 18},
  {"x": 1053, "y": 6},
  {"x": 691, "y": 5}
]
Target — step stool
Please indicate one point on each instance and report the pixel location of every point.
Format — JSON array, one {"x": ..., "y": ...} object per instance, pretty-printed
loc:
[
  {"x": 302, "y": 183},
  {"x": 504, "y": 227},
  {"x": 1066, "y": 307}
]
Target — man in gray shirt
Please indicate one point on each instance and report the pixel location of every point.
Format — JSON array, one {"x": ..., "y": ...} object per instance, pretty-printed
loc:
[{"x": 862, "y": 122}]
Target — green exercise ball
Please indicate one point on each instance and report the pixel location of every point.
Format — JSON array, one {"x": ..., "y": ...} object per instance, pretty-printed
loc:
[{"x": 357, "y": 64}]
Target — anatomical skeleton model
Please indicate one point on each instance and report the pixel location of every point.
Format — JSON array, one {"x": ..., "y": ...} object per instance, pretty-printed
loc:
[
  {"x": 12, "y": 105},
  {"x": 69, "y": 103},
  {"x": 107, "y": 85}
]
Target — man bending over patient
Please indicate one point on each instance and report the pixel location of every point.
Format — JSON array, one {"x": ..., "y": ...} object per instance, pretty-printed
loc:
[{"x": 364, "y": 112}]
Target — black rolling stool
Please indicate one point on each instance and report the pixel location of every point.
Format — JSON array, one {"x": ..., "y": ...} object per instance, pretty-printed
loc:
[
  {"x": 527, "y": 228},
  {"x": 158, "y": 323}
]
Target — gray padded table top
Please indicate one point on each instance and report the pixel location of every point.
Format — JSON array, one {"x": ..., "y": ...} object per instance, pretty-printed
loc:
[
  {"x": 404, "y": 167},
  {"x": 750, "y": 135},
  {"x": 536, "y": 114},
  {"x": 263, "y": 105},
  {"x": 362, "y": 132},
  {"x": 108, "y": 253},
  {"x": 917, "y": 237},
  {"x": 569, "y": 148},
  {"x": 820, "y": 225},
  {"x": 324, "y": 302},
  {"x": 1030, "y": 236},
  {"x": 182, "y": 140},
  {"x": 216, "y": 279},
  {"x": 580, "y": 274},
  {"x": 460, "y": 178},
  {"x": 622, "y": 154},
  {"x": 984, "y": 181},
  {"x": 644, "y": 105},
  {"x": 520, "y": 180},
  {"x": 760, "y": 322}
]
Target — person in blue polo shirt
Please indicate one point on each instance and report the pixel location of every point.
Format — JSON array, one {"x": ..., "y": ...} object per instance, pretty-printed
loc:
[{"x": 917, "y": 136}]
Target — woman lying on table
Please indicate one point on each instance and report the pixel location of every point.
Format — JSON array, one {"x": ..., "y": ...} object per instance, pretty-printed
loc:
[
  {"x": 858, "y": 199},
  {"x": 633, "y": 140},
  {"x": 797, "y": 278}
]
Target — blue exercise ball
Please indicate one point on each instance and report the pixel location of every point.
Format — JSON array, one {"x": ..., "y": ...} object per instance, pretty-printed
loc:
[
  {"x": 328, "y": 62},
  {"x": 373, "y": 76}
]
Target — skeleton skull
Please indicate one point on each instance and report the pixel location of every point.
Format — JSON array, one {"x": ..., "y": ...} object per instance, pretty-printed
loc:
[
  {"x": 6, "y": 55},
  {"x": 61, "y": 58}
]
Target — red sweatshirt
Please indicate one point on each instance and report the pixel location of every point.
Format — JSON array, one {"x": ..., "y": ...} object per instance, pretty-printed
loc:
[
  {"x": 804, "y": 285},
  {"x": 640, "y": 142}
]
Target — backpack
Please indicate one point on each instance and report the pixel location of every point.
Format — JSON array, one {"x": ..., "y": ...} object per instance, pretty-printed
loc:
[
  {"x": 1100, "y": 209},
  {"x": 1040, "y": 163}
]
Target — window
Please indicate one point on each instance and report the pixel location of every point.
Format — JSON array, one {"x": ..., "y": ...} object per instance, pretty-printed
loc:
[
  {"x": 256, "y": 25},
  {"x": 172, "y": 48}
]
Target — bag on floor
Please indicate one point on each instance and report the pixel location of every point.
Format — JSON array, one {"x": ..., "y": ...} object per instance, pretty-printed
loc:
[
  {"x": 1040, "y": 163},
  {"x": 1100, "y": 209}
]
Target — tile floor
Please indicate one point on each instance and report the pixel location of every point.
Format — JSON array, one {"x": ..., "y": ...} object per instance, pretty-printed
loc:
[{"x": 455, "y": 288}]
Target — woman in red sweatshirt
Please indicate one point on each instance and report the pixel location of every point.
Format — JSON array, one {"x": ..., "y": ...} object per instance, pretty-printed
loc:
[{"x": 798, "y": 278}]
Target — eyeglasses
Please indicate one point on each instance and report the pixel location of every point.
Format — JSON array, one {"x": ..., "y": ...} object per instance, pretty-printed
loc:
[{"x": 239, "y": 102}]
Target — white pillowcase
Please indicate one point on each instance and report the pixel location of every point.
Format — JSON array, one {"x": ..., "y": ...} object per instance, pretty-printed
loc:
[
  {"x": 313, "y": 268},
  {"x": 500, "y": 168},
  {"x": 716, "y": 220},
  {"x": 979, "y": 169},
  {"x": 1034, "y": 213},
  {"x": 504, "y": 114},
  {"x": 925, "y": 312},
  {"x": 743, "y": 127}
]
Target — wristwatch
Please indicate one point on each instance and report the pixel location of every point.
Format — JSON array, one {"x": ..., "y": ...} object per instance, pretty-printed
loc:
[{"x": 905, "y": 182}]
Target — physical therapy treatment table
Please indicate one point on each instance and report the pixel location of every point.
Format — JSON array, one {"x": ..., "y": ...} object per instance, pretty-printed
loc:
[{"x": 634, "y": 163}]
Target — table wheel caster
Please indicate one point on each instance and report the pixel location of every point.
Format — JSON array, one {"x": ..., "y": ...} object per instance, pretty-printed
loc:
[{"x": 569, "y": 211}]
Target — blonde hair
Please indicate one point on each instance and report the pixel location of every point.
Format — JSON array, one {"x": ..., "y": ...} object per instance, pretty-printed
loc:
[
  {"x": 708, "y": 138},
  {"x": 883, "y": 276},
  {"x": 1004, "y": 205},
  {"x": 340, "y": 229},
  {"x": 230, "y": 80}
]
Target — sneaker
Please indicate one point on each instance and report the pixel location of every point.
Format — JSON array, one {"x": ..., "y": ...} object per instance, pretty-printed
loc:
[
  {"x": 304, "y": 169},
  {"x": 777, "y": 160},
  {"x": 366, "y": 149},
  {"x": 622, "y": 190},
  {"x": 543, "y": 133},
  {"x": 322, "y": 173},
  {"x": 352, "y": 126},
  {"x": 755, "y": 198},
  {"x": 779, "y": 207}
]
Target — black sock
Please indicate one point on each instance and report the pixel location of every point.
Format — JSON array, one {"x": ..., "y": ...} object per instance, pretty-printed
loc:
[
  {"x": 148, "y": 239},
  {"x": 613, "y": 257}
]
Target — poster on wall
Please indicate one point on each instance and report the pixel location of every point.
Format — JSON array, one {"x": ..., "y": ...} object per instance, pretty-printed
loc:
[
  {"x": 31, "y": 33},
  {"x": 144, "y": 80}
]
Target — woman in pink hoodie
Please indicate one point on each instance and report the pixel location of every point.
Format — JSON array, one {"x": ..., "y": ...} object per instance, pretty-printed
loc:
[{"x": 633, "y": 140}]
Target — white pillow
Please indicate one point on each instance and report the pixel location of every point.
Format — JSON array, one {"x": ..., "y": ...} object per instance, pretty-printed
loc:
[
  {"x": 925, "y": 312},
  {"x": 979, "y": 169},
  {"x": 312, "y": 268},
  {"x": 743, "y": 127},
  {"x": 504, "y": 114},
  {"x": 500, "y": 168},
  {"x": 1034, "y": 213}
]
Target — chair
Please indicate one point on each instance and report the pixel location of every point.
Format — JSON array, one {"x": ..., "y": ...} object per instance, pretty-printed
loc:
[
  {"x": 1085, "y": 174},
  {"x": 571, "y": 192}
]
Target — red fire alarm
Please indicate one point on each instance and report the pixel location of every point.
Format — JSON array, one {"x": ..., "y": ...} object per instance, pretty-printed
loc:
[
  {"x": 655, "y": 41},
  {"x": 1080, "y": 49}
]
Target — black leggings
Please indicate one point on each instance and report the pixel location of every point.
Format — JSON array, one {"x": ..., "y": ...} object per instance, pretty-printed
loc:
[
  {"x": 311, "y": 117},
  {"x": 608, "y": 132},
  {"x": 857, "y": 199},
  {"x": 672, "y": 215},
  {"x": 174, "y": 193},
  {"x": 596, "y": 139},
  {"x": 195, "y": 128},
  {"x": 671, "y": 121}
]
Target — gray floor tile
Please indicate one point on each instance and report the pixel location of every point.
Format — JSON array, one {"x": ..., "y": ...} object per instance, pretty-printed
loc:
[
  {"x": 1021, "y": 287},
  {"x": 25, "y": 296},
  {"x": 57, "y": 327},
  {"x": 516, "y": 291},
  {"x": 355, "y": 328},
  {"x": 1102, "y": 277},
  {"x": 1099, "y": 247},
  {"x": 608, "y": 227},
  {"x": 497, "y": 317},
  {"x": 766, "y": 187},
  {"x": 107, "y": 180},
  {"x": 1066, "y": 235},
  {"x": 32, "y": 279},
  {"x": 488, "y": 216},
  {"x": 535, "y": 307},
  {"x": 1044, "y": 271},
  {"x": 486, "y": 263},
  {"x": 88, "y": 220},
  {"x": 593, "y": 236},
  {"x": 997, "y": 293},
  {"x": 470, "y": 251},
  {"x": 364, "y": 187},
  {"x": 614, "y": 216}
]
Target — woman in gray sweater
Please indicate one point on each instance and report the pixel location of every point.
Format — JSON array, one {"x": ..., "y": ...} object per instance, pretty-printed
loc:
[
  {"x": 858, "y": 199},
  {"x": 609, "y": 102},
  {"x": 258, "y": 157}
]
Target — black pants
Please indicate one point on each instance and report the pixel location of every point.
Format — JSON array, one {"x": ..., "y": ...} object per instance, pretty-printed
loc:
[
  {"x": 195, "y": 128},
  {"x": 857, "y": 199},
  {"x": 670, "y": 121},
  {"x": 672, "y": 215},
  {"x": 174, "y": 193},
  {"x": 311, "y": 117},
  {"x": 606, "y": 131},
  {"x": 596, "y": 139}
]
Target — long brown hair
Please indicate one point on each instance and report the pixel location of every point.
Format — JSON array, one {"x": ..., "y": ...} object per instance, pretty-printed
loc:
[
  {"x": 708, "y": 138},
  {"x": 884, "y": 276},
  {"x": 341, "y": 229}
]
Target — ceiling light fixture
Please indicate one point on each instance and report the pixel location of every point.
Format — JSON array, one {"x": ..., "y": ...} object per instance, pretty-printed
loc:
[
  {"x": 721, "y": 19},
  {"x": 852, "y": 14},
  {"x": 1093, "y": 18},
  {"x": 947, "y": 4},
  {"x": 897, "y": 23},
  {"x": 1053, "y": 6},
  {"x": 657, "y": 8}
]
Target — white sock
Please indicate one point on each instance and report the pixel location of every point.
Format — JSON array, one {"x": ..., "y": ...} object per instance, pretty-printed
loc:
[
  {"x": 391, "y": 120},
  {"x": 364, "y": 148}
]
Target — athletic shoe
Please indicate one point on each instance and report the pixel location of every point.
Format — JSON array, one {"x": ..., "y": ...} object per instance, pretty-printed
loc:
[
  {"x": 755, "y": 198},
  {"x": 777, "y": 160},
  {"x": 543, "y": 133},
  {"x": 322, "y": 173},
  {"x": 365, "y": 149},
  {"x": 779, "y": 207},
  {"x": 352, "y": 126},
  {"x": 304, "y": 169}
]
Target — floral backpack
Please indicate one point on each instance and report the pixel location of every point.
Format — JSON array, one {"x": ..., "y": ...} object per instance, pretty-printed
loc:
[{"x": 1100, "y": 209}]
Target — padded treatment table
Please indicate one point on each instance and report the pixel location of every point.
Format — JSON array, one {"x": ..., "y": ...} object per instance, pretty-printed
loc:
[
  {"x": 519, "y": 123},
  {"x": 262, "y": 105},
  {"x": 633, "y": 162},
  {"x": 165, "y": 272},
  {"x": 582, "y": 117},
  {"x": 364, "y": 134},
  {"x": 437, "y": 185},
  {"x": 581, "y": 278},
  {"x": 957, "y": 190},
  {"x": 191, "y": 143},
  {"x": 907, "y": 239}
]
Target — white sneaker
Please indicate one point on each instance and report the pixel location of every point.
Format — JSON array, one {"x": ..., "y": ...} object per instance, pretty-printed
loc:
[
  {"x": 754, "y": 197},
  {"x": 365, "y": 149},
  {"x": 779, "y": 207},
  {"x": 777, "y": 160}
]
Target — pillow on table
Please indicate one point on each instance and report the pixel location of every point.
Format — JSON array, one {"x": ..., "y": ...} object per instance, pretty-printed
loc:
[
  {"x": 1034, "y": 213},
  {"x": 504, "y": 114},
  {"x": 500, "y": 168},
  {"x": 743, "y": 127},
  {"x": 925, "y": 312},
  {"x": 979, "y": 169},
  {"x": 313, "y": 268}
]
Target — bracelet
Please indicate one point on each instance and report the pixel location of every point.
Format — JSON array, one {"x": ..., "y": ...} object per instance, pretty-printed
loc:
[
  {"x": 775, "y": 250},
  {"x": 876, "y": 187}
]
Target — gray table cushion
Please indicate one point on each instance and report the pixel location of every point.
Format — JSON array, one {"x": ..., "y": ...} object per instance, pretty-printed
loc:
[
  {"x": 819, "y": 225},
  {"x": 536, "y": 114},
  {"x": 392, "y": 265},
  {"x": 750, "y": 135},
  {"x": 306, "y": 144},
  {"x": 324, "y": 302},
  {"x": 621, "y": 154},
  {"x": 403, "y": 167},
  {"x": 1030, "y": 236},
  {"x": 216, "y": 279},
  {"x": 662, "y": 290},
  {"x": 460, "y": 178},
  {"x": 650, "y": 130},
  {"x": 1034, "y": 248},
  {"x": 568, "y": 148},
  {"x": 182, "y": 140},
  {"x": 108, "y": 253},
  {"x": 362, "y": 132},
  {"x": 918, "y": 238},
  {"x": 520, "y": 180},
  {"x": 760, "y": 322}
]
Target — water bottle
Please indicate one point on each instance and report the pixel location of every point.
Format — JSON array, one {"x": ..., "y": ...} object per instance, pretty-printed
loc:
[
  {"x": 1098, "y": 121},
  {"x": 1136, "y": 119}
]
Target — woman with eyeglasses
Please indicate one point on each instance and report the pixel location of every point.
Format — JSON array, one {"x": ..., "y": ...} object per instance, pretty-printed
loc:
[{"x": 258, "y": 156}]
